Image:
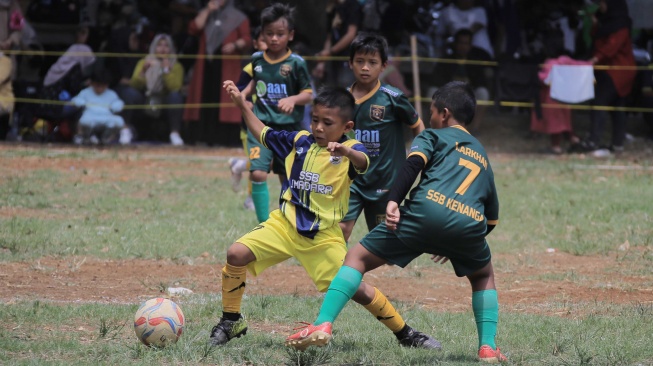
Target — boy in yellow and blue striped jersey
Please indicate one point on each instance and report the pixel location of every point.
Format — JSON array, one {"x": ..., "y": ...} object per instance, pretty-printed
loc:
[{"x": 314, "y": 198}]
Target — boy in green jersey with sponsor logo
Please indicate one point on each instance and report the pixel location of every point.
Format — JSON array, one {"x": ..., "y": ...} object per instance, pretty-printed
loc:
[
  {"x": 282, "y": 85},
  {"x": 381, "y": 114},
  {"x": 321, "y": 166},
  {"x": 448, "y": 214}
]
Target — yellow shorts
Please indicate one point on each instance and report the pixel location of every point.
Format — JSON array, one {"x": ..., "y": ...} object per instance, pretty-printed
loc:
[{"x": 277, "y": 240}]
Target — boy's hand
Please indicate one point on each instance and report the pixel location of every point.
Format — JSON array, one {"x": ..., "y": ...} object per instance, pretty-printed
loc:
[
  {"x": 337, "y": 149},
  {"x": 392, "y": 215},
  {"x": 286, "y": 105},
  {"x": 236, "y": 96},
  {"x": 439, "y": 258}
]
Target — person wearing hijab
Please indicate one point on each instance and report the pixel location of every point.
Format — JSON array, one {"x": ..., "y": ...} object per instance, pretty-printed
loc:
[
  {"x": 157, "y": 80},
  {"x": 223, "y": 30},
  {"x": 66, "y": 77},
  {"x": 612, "y": 47}
]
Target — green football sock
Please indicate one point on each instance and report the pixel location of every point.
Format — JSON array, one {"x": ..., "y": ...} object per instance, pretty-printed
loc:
[
  {"x": 261, "y": 198},
  {"x": 486, "y": 313},
  {"x": 342, "y": 288}
]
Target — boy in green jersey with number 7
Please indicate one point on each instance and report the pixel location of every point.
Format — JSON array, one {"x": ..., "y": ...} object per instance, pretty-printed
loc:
[{"x": 448, "y": 214}]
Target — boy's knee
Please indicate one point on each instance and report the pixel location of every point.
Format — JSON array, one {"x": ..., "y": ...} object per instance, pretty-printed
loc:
[
  {"x": 258, "y": 176},
  {"x": 239, "y": 255}
]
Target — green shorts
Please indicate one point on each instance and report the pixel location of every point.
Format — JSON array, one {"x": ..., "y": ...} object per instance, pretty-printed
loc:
[
  {"x": 261, "y": 158},
  {"x": 373, "y": 203},
  {"x": 392, "y": 246}
]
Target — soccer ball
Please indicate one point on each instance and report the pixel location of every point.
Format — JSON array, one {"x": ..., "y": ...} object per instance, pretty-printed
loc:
[{"x": 158, "y": 322}]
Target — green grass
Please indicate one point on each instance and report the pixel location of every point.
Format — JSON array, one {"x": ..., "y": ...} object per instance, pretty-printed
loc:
[
  {"x": 102, "y": 334},
  {"x": 182, "y": 206}
]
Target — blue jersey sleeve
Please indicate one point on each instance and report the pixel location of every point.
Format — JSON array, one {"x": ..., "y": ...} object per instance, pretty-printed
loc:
[{"x": 280, "y": 142}]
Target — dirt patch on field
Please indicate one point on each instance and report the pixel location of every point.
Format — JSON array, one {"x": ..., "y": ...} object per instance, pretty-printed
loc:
[{"x": 570, "y": 282}]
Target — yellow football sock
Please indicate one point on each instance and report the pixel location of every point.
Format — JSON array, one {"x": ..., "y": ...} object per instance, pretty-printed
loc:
[
  {"x": 233, "y": 287},
  {"x": 384, "y": 312}
]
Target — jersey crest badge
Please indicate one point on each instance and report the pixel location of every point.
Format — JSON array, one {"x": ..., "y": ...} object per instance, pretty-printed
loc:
[
  {"x": 377, "y": 112},
  {"x": 300, "y": 151},
  {"x": 258, "y": 68},
  {"x": 261, "y": 88},
  {"x": 285, "y": 70},
  {"x": 335, "y": 160}
]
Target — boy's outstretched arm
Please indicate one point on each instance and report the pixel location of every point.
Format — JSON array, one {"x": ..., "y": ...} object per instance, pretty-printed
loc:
[{"x": 254, "y": 124}]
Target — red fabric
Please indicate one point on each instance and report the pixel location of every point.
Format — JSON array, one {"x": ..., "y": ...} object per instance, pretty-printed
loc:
[
  {"x": 230, "y": 71},
  {"x": 617, "y": 50},
  {"x": 554, "y": 120}
]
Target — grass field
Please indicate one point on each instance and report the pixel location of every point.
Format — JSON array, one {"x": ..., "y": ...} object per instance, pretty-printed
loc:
[{"x": 79, "y": 207}]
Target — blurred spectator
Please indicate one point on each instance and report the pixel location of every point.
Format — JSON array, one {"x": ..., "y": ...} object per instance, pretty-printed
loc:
[
  {"x": 157, "y": 80},
  {"x": 66, "y": 77},
  {"x": 612, "y": 47},
  {"x": 647, "y": 99},
  {"x": 98, "y": 123},
  {"x": 555, "y": 122},
  {"x": 125, "y": 42},
  {"x": 344, "y": 19},
  {"x": 183, "y": 12},
  {"x": 11, "y": 26},
  {"x": 507, "y": 34},
  {"x": 476, "y": 75},
  {"x": 463, "y": 14},
  {"x": 6, "y": 94},
  {"x": 222, "y": 30}
]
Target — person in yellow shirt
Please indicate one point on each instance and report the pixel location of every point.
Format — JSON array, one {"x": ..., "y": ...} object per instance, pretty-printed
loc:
[{"x": 157, "y": 80}]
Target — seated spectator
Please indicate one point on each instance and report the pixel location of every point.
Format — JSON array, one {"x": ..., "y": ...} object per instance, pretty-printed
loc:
[
  {"x": 11, "y": 26},
  {"x": 463, "y": 14},
  {"x": 66, "y": 77},
  {"x": 475, "y": 75},
  {"x": 157, "y": 80},
  {"x": 125, "y": 41},
  {"x": 99, "y": 122}
]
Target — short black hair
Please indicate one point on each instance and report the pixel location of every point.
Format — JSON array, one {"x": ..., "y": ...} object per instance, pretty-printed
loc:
[
  {"x": 336, "y": 97},
  {"x": 256, "y": 32},
  {"x": 101, "y": 75},
  {"x": 369, "y": 43},
  {"x": 277, "y": 11},
  {"x": 458, "y": 97},
  {"x": 463, "y": 32}
]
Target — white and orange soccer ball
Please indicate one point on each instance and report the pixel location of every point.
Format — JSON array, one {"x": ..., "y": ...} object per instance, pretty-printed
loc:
[{"x": 158, "y": 322}]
